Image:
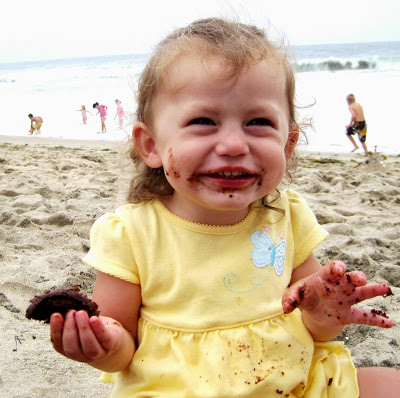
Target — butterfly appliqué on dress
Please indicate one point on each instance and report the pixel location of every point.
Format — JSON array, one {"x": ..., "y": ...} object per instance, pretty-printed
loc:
[{"x": 267, "y": 253}]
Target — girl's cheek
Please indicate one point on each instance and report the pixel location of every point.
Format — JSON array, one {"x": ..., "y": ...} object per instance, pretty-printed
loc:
[{"x": 171, "y": 166}]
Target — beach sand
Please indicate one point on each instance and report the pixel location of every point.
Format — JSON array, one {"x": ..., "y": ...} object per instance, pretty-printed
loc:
[{"x": 51, "y": 191}]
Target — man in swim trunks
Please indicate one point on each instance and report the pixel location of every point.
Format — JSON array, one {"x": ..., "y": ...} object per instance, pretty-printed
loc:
[
  {"x": 357, "y": 123},
  {"x": 36, "y": 124}
]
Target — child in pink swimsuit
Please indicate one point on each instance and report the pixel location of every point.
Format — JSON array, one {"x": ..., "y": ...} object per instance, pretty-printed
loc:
[
  {"x": 83, "y": 112},
  {"x": 102, "y": 109},
  {"x": 120, "y": 113}
]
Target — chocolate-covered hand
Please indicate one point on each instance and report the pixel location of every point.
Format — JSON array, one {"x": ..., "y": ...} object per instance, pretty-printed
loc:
[{"x": 328, "y": 297}]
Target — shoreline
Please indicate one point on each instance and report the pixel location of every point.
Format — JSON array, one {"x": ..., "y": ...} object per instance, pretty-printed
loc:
[
  {"x": 104, "y": 143},
  {"x": 51, "y": 141}
]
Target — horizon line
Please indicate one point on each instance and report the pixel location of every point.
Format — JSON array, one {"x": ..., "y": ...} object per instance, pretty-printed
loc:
[{"x": 147, "y": 53}]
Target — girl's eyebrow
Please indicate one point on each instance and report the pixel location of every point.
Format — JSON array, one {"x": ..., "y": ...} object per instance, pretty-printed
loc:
[
  {"x": 263, "y": 109},
  {"x": 202, "y": 109}
]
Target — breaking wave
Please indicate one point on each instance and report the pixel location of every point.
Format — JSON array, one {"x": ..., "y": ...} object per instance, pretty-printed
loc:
[{"x": 332, "y": 64}]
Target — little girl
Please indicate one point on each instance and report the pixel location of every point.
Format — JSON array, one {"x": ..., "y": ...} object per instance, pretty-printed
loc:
[
  {"x": 102, "y": 109},
  {"x": 207, "y": 283},
  {"x": 83, "y": 111},
  {"x": 120, "y": 113}
]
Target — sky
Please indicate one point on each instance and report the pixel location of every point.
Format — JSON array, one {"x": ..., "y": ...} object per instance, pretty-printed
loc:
[{"x": 50, "y": 29}]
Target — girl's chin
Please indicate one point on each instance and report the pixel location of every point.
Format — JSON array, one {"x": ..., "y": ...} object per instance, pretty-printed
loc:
[
  {"x": 205, "y": 197},
  {"x": 211, "y": 208},
  {"x": 230, "y": 200}
]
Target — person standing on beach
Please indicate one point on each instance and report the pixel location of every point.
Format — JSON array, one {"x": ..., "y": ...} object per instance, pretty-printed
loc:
[
  {"x": 120, "y": 113},
  {"x": 36, "y": 124},
  {"x": 357, "y": 123},
  {"x": 83, "y": 111},
  {"x": 102, "y": 109}
]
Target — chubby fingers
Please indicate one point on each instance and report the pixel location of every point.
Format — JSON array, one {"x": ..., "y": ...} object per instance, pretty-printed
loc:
[
  {"x": 332, "y": 271},
  {"x": 369, "y": 291},
  {"x": 293, "y": 296},
  {"x": 372, "y": 318},
  {"x": 56, "y": 331},
  {"x": 335, "y": 273},
  {"x": 70, "y": 338},
  {"x": 75, "y": 338},
  {"x": 306, "y": 293},
  {"x": 90, "y": 346},
  {"x": 101, "y": 327}
]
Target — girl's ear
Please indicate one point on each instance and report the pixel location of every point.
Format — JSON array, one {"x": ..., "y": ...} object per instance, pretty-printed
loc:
[
  {"x": 146, "y": 145},
  {"x": 292, "y": 141}
]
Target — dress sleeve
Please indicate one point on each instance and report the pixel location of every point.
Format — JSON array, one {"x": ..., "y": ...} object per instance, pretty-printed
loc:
[
  {"x": 307, "y": 233},
  {"x": 111, "y": 249}
]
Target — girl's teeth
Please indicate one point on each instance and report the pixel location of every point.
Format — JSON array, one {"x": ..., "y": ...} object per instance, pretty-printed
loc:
[{"x": 230, "y": 173}]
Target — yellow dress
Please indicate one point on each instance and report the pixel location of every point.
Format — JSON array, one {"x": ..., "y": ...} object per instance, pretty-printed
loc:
[{"x": 211, "y": 322}]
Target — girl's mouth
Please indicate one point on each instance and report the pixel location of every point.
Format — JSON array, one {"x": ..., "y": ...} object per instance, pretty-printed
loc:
[
  {"x": 231, "y": 174},
  {"x": 231, "y": 179}
]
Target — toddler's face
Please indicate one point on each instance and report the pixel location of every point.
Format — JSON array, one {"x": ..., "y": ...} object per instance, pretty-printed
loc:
[{"x": 221, "y": 142}]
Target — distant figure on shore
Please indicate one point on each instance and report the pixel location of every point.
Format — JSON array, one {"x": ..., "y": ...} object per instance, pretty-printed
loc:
[
  {"x": 102, "y": 109},
  {"x": 120, "y": 113},
  {"x": 36, "y": 124},
  {"x": 83, "y": 111},
  {"x": 357, "y": 123}
]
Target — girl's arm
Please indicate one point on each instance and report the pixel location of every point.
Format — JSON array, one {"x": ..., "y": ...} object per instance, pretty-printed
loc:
[
  {"x": 106, "y": 342},
  {"x": 326, "y": 296}
]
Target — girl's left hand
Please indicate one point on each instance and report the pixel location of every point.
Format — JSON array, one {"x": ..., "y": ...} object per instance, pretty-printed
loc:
[{"x": 328, "y": 297}]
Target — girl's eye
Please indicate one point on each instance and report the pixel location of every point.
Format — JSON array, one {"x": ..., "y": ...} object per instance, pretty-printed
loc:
[
  {"x": 259, "y": 122},
  {"x": 203, "y": 121}
]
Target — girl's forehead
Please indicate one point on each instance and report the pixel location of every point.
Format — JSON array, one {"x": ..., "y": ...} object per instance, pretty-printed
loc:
[
  {"x": 192, "y": 81},
  {"x": 186, "y": 69}
]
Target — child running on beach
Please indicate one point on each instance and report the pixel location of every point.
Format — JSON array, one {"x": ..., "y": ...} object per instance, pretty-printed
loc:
[
  {"x": 102, "y": 109},
  {"x": 357, "y": 124},
  {"x": 120, "y": 113},
  {"x": 83, "y": 111},
  {"x": 207, "y": 282},
  {"x": 36, "y": 124}
]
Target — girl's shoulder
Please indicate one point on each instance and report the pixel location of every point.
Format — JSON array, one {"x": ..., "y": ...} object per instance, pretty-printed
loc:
[
  {"x": 293, "y": 197},
  {"x": 283, "y": 200},
  {"x": 288, "y": 205},
  {"x": 133, "y": 210},
  {"x": 295, "y": 203}
]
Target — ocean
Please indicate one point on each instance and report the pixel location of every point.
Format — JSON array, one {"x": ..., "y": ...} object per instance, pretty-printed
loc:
[{"x": 56, "y": 89}]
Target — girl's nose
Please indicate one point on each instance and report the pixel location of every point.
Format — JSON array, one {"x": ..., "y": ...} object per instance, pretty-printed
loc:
[{"x": 232, "y": 142}]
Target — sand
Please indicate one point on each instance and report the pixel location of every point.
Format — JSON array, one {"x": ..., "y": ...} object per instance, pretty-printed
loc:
[{"x": 51, "y": 191}]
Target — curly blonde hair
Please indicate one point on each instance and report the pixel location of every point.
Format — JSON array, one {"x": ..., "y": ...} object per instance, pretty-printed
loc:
[{"x": 239, "y": 44}]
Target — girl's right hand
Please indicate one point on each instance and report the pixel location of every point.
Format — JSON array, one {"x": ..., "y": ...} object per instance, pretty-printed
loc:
[{"x": 85, "y": 339}]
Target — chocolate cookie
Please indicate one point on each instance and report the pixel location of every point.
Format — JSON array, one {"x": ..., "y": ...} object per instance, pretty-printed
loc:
[{"x": 61, "y": 301}]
